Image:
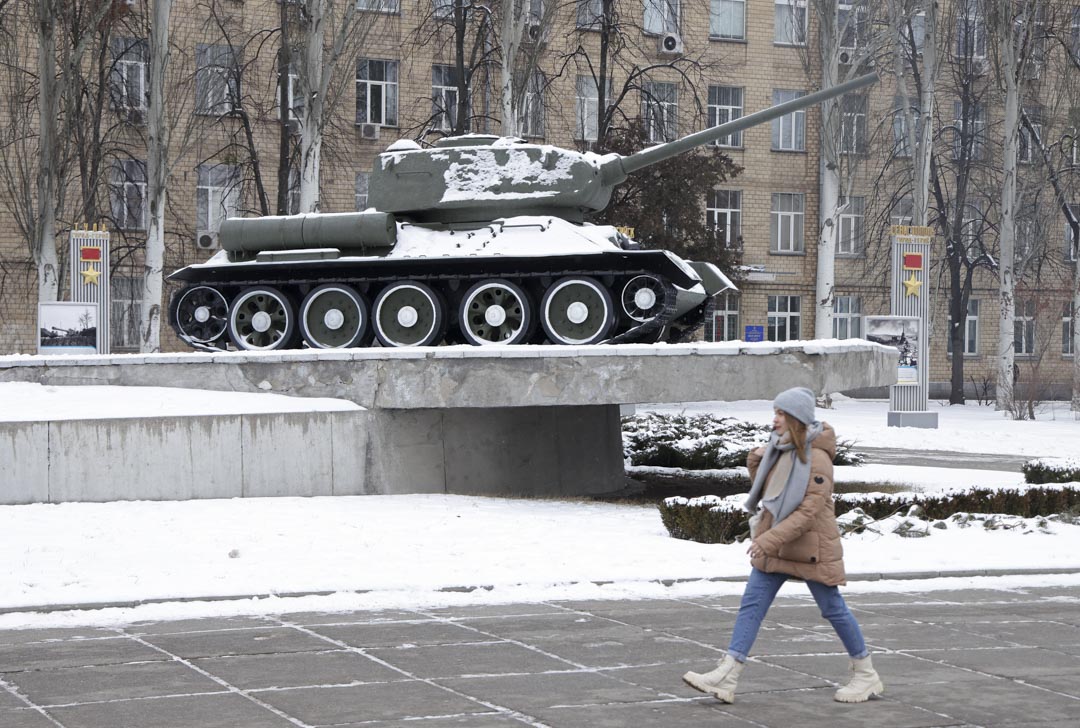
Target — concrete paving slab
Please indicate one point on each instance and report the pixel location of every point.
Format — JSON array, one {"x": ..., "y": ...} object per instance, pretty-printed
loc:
[
  {"x": 481, "y": 611},
  {"x": 24, "y": 718},
  {"x": 259, "y": 641},
  {"x": 74, "y": 653},
  {"x": 527, "y": 693},
  {"x": 897, "y": 669},
  {"x": 197, "y": 625},
  {"x": 631, "y": 648},
  {"x": 760, "y": 676},
  {"x": 816, "y": 707},
  {"x": 211, "y": 711},
  {"x": 296, "y": 669},
  {"x": 313, "y": 618},
  {"x": 1065, "y": 684},
  {"x": 1037, "y": 633},
  {"x": 26, "y": 636},
  {"x": 658, "y": 714},
  {"x": 9, "y": 700},
  {"x": 399, "y": 634},
  {"x": 441, "y": 661},
  {"x": 925, "y": 637},
  {"x": 1013, "y": 662},
  {"x": 355, "y": 704},
  {"x": 674, "y": 618},
  {"x": 111, "y": 682},
  {"x": 475, "y": 720},
  {"x": 1005, "y": 702}
]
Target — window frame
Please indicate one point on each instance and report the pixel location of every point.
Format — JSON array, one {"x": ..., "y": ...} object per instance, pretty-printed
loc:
[
  {"x": 444, "y": 97},
  {"x": 853, "y": 124},
  {"x": 721, "y": 113},
  {"x": 729, "y": 213},
  {"x": 726, "y": 314},
  {"x": 665, "y": 12},
  {"x": 970, "y": 29},
  {"x": 362, "y": 181},
  {"x": 125, "y": 181},
  {"x": 389, "y": 7},
  {"x": 125, "y": 312},
  {"x": 774, "y": 317},
  {"x": 226, "y": 189},
  {"x": 803, "y": 29},
  {"x": 388, "y": 90},
  {"x": 219, "y": 76},
  {"x": 793, "y": 220},
  {"x": 853, "y": 217},
  {"x": 1024, "y": 329},
  {"x": 1068, "y": 322},
  {"x": 850, "y": 318},
  {"x": 129, "y": 55},
  {"x": 666, "y": 127},
  {"x": 796, "y": 120},
  {"x": 716, "y": 8},
  {"x": 971, "y": 331},
  {"x": 533, "y": 108}
]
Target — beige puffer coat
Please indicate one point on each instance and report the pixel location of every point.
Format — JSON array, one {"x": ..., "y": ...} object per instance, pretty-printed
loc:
[{"x": 806, "y": 544}]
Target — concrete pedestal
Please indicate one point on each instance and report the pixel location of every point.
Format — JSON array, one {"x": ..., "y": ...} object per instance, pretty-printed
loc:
[
  {"x": 531, "y": 421},
  {"x": 928, "y": 420}
]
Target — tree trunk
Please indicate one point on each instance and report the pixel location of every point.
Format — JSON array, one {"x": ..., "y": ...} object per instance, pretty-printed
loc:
[
  {"x": 311, "y": 81},
  {"x": 157, "y": 175},
  {"x": 829, "y": 201},
  {"x": 44, "y": 243},
  {"x": 513, "y": 26}
]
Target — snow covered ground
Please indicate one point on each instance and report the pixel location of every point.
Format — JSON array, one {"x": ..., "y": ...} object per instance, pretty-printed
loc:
[{"x": 382, "y": 552}]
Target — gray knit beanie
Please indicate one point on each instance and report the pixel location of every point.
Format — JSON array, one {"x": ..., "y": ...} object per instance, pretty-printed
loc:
[{"x": 798, "y": 402}]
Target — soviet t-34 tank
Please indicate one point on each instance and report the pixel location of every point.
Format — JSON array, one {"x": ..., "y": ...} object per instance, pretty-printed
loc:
[{"x": 478, "y": 239}]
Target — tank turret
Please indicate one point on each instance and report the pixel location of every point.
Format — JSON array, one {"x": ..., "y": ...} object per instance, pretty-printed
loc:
[{"x": 479, "y": 240}]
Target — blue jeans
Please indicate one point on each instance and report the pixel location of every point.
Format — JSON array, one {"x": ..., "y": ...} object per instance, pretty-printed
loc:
[{"x": 761, "y": 589}]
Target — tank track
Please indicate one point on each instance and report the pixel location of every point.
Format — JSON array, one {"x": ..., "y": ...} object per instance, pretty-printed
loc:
[
  {"x": 694, "y": 321},
  {"x": 654, "y": 329}
]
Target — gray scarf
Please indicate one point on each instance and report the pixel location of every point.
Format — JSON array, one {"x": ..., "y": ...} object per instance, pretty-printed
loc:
[{"x": 795, "y": 490}]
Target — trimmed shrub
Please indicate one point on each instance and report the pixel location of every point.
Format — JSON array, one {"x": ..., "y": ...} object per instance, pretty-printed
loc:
[
  {"x": 721, "y": 520},
  {"x": 1052, "y": 470},
  {"x": 701, "y": 442}
]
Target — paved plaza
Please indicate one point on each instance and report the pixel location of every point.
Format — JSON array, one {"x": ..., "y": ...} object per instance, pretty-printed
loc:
[{"x": 972, "y": 657}]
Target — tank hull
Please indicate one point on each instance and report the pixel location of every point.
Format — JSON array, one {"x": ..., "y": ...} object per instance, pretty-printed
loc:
[{"x": 518, "y": 281}]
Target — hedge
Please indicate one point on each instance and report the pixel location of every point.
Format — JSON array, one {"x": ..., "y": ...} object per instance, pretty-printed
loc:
[
  {"x": 1052, "y": 470},
  {"x": 711, "y": 519}
]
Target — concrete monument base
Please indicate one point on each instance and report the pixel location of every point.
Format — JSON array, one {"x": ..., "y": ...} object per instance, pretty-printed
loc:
[
  {"x": 928, "y": 420},
  {"x": 534, "y": 421}
]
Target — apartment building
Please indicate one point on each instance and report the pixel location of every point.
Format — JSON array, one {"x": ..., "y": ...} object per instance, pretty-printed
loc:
[{"x": 679, "y": 65}]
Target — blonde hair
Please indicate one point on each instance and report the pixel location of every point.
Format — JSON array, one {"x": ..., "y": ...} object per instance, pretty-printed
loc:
[{"x": 797, "y": 430}]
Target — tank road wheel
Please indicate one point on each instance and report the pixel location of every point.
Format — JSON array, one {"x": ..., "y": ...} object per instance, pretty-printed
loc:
[
  {"x": 201, "y": 314},
  {"x": 261, "y": 319},
  {"x": 642, "y": 298},
  {"x": 495, "y": 312},
  {"x": 408, "y": 313},
  {"x": 333, "y": 316},
  {"x": 577, "y": 311}
]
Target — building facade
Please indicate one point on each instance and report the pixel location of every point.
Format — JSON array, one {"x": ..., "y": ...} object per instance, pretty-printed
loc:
[{"x": 676, "y": 65}]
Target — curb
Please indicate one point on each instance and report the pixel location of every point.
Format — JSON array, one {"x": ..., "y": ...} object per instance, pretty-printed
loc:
[{"x": 869, "y": 576}]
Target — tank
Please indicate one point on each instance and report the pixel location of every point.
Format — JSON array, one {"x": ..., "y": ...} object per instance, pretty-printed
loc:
[{"x": 478, "y": 239}]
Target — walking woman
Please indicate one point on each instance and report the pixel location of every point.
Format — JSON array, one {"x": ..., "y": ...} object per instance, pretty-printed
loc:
[{"x": 793, "y": 534}]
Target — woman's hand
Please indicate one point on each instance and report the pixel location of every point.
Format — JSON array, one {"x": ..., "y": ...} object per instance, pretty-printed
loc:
[{"x": 754, "y": 550}]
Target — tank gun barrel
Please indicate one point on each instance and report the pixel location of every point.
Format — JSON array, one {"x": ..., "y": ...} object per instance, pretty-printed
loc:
[{"x": 616, "y": 170}]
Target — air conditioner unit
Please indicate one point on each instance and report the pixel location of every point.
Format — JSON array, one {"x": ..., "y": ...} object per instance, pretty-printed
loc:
[
  {"x": 980, "y": 66},
  {"x": 534, "y": 33},
  {"x": 845, "y": 57},
  {"x": 206, "y": 240},
  {"x": 669, "y": 44},
  {"x": 369, "y": 131}
]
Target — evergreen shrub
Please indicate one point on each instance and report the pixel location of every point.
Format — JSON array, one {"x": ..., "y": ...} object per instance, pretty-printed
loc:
[
  {"x": 1052, "y": 470},
  {"x": 711, "y": 519},
  {"x": 701, "y": 442}
]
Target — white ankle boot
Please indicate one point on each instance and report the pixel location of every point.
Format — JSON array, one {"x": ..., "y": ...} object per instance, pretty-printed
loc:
[
  {"x": 719, "y": 682},
  {"x": 864, "y": 683}
]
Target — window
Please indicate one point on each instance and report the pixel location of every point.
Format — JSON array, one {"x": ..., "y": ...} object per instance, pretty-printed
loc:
[
  {"x": 292, "y": 199},
  {"x": 1074, "y": 31},
  {"x": 971, "y": 231},
  {"x": 1026, "y": 234},
  {"x": 726, "y": 104},
  {"x": 660, "y": 109},
  {"x": 217, "y": 79},
  {"x": 1029, "y": 144},
  {"x": 727, "y": 19},
  {"x": 846, "y": 323},
  {"x": 127, "y": 193},
  {"x": 970, "y": 31},
  {"x": 916, "y": 32},
  {"x": 1024, "y": 328},
  {"x": 725, "y": 323},
  {"x": 853, "y": 25},
  {"x": 587, "y": 108},
  {"x": 1068, "y": 329},
  {"x": 532, "y": 115},
  {"x": 789, "y": 131},
  {"x": 902, "y": 118},
  {"x": 590, "y": 13},
  {"x": 1071, "y": 243},
  {"x": 786, "y": 223},
  {"x": 971, "y": 330},
  {"x": 853, "y": 125},
  {"x": 217, "y": 195},
  {"x": 376, "y": 92},
  {"x": 852, "y": 226},
  {"x": 661, "y": 16},
  {"x": 969, "y": 136},
  {"x": 723, "y": 213},
  {"x": 790, "y": 28},
  {"x": 296, "y": 105},
  {"x": 444, "y": 8},
  {"x": 379, "y": 6},
  {"x": 903, "y": 211},
  {"x": 444, "y": 97},
  {"x": 361, "y": 186},
  {"x": 784, "y": 318},
  {"x": 125, "y": 308},
  {"x": 127, "y": 77}
]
